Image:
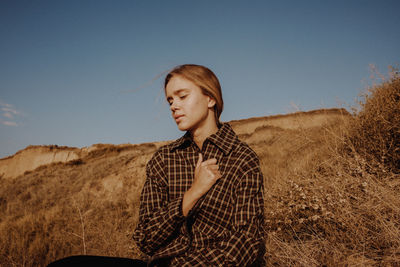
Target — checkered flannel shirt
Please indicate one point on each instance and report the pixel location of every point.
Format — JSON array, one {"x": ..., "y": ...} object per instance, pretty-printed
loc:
[{"x": 225, "y": 227}]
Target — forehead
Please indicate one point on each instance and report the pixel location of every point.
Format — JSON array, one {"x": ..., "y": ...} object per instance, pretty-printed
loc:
[{"x": 178, "y": 84}]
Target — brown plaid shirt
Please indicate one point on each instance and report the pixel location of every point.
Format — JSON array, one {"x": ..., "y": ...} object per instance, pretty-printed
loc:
[{"x": 225, "y": 227}]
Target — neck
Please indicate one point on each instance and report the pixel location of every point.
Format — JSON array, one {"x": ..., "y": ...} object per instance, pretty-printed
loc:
[{"x": 201, "y": 133}]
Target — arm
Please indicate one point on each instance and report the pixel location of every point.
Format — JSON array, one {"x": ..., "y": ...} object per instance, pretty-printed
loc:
[
  {"x": 246, "y": 234},
  {"x": 159, "y": 219}
]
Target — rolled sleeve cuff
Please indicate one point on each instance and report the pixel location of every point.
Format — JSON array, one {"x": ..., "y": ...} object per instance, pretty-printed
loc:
[{"x": 175, "y": 209}]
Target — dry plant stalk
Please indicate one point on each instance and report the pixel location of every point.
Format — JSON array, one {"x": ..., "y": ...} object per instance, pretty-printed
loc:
[{"x": 82, "y": 236}]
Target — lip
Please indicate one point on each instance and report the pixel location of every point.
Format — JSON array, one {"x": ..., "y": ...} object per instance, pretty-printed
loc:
[{"x": 177, "y": 117}]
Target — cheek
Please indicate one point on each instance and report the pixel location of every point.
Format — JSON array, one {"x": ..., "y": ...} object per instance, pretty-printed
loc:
[
  {"x": 196, "y": 104},
  {"x": 200, "y": 102},
  {"x": 191, "y": 103}
]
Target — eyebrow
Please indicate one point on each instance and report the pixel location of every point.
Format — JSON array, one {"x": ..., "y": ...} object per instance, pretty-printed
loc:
[{"x": 177, "y": 92}]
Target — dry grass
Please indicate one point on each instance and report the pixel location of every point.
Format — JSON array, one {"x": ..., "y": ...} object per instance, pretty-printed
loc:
[
  {"x": 332, "y": 194},
  {"x": 343, "y": 209}
]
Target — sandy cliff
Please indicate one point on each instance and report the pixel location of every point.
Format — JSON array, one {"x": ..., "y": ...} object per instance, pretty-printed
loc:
[
  {"x": 34, "y": 156},
  {"x": 250, "y": 130}
]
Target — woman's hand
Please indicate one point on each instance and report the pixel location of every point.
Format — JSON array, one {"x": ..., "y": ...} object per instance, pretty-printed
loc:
[{"x": 205, "y": 175}]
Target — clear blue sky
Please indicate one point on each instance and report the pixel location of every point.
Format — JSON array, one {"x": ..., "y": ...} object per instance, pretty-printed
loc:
[{"x": 77, "y": 73}]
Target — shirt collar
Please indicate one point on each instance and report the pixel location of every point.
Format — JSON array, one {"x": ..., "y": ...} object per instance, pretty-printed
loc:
[
  {"x": 186, "y": 139},
  {"x": 224, "y": 139}
]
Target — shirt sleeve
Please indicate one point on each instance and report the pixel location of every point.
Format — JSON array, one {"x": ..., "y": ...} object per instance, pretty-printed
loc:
[
  {"x": 245, "y": 238},
  {"x": 159, "y": 219}
]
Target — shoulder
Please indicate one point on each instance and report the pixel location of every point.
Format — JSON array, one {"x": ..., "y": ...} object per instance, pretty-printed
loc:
[
  {"x": 248, "y": 159},
  {"x": 245, "y": 152},
  {"x": 155, "y": 166},
  {"x": 240, "y": 153},
  {"x": 164, "y": 152},
  {"x": 247, "y": 164}
]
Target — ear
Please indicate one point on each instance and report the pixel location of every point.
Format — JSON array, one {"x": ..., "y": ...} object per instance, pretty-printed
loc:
[{"x": 211, "y": 102}]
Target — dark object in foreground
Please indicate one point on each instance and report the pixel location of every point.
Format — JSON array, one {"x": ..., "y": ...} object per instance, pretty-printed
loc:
[{"x": 97, "y": 261}]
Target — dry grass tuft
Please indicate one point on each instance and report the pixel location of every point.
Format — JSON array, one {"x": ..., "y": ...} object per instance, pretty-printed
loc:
[{"x": 376, "y": 132}]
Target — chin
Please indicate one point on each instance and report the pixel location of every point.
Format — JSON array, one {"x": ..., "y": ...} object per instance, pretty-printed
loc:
[
  {"x": 184, "y": 127},
  {"x": 181, "y": 127}
]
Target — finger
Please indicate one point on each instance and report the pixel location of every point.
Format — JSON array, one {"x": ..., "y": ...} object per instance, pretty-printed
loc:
[
  {"x": 199, "y": 160},
  {"x": 216, "y": 176},
  {"x": 212, "y": 167},
  {"x": 210, "y": 171},
  {"x": 209, "y": 162},
  {"x": 216, "y": 172}
]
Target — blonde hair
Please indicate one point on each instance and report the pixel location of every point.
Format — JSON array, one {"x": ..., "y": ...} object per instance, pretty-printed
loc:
[{"x": 204, "y": 78}]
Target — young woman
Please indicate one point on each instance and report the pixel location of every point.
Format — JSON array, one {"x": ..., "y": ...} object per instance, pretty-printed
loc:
[{"x": 202, "y": 202}]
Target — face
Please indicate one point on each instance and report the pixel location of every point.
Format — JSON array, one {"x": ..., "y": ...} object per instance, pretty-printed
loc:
[{"x": 189, "y": 106}]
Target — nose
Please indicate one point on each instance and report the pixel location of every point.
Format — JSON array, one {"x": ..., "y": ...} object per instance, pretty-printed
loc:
[{"x": 173, "y": 106}]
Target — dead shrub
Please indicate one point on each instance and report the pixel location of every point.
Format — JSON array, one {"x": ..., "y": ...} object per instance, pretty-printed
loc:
[{"x": 375, "y": 134}]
